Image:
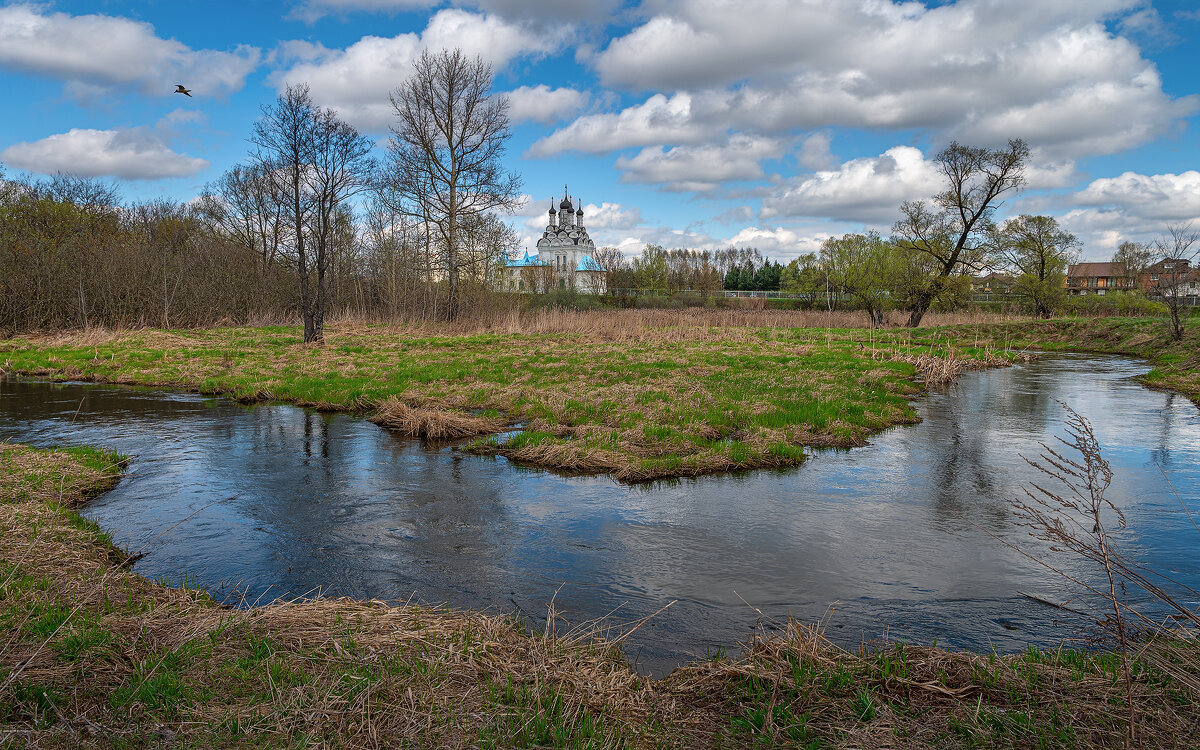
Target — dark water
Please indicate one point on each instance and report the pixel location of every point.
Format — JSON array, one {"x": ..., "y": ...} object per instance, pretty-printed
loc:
[{"x": 284, "y": 501}]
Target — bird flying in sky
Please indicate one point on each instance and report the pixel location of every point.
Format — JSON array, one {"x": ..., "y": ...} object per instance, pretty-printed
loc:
[{"x": 179, "y": 89}]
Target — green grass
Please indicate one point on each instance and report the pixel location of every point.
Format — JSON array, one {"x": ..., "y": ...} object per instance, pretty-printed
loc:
[
  {"x": 672, "y": 402},
  {"x": 1176, "y": 364}
]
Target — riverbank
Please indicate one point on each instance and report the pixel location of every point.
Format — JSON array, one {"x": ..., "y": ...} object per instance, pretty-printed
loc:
[
  {"x": 632, "y": 395},
  {"x": 1176, "y": 363},
  {"x": 91, "y": 654}
]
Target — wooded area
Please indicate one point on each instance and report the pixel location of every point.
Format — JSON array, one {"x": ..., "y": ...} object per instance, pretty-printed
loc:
[{"x": 312, "y": 224}]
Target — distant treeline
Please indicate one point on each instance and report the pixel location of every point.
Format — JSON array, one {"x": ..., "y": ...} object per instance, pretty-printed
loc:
[{"x": 682, "y": 269}]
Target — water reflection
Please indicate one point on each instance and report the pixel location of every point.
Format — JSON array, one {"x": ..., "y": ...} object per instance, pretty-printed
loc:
[{"x": 288, "y": 500}]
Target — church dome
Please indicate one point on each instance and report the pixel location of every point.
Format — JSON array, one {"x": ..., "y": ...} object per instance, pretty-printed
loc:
[{"x": 565, "y": 205}]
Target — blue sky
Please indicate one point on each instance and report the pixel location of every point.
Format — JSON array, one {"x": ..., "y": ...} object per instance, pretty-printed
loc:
[{"x": 686, "y": 123}]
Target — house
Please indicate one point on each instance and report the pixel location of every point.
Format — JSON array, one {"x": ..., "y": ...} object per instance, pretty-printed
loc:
[
  {"x": 993, "y": 283},
  {"x": 1170, "y": 273},
  {"x": 1096, "y": 278},
  {"x": 564, "y": 257}
]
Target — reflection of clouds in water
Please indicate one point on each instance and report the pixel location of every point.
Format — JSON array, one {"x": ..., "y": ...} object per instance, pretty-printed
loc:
[{"x": 890, "y": 531}]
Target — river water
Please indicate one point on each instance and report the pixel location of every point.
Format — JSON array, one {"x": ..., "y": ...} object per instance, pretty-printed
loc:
[{"x": 899, "y": 538}]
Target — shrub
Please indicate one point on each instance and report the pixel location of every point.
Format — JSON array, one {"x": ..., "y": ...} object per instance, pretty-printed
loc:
[
  {"x": 1122, "y": 304},
  {"x": 567, "y": 299}
]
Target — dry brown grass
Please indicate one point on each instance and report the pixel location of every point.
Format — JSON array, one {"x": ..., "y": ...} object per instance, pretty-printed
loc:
[
  {"x": 432, "y": 423},
  {"x": 605, "y": 323},
  {"x": 685, "y": 324}
]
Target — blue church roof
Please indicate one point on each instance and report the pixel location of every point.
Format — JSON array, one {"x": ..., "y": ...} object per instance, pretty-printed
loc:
[
  {"x": 528, "y": 260},
  {"x": 588, "y": 263}
]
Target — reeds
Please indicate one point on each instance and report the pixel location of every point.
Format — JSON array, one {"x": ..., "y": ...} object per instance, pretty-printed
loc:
[
  {"x": 1066, "y": 506},
  {"x": 435, "y": 424},
  {"x": 625, "y": 324}
]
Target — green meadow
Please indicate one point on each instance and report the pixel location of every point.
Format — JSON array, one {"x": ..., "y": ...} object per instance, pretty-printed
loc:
[{"x": 640, "y": 404}]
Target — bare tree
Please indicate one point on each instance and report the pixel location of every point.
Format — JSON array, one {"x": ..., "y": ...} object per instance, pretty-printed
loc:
[
  {"x": 317, "y": 162},
  {"x": 1132, "y": 259},
  {"x": 953, "y": 229},
  {"x": 341, "y": 167},
  {"x": 609, "y": 258},
  {"x": 1038, "y": 252},
  {"x": 446, "y": 147},
  {"x": 248, "y": 206},
  {"x": 169, "y": 229},
  {"x": 538, "y": 279},
  {"x": 1176, "y": 252},
  {"x": 398, "y": 263},
  {"x": 486, "y": 242},
  {"x": 85, "y": 192}
]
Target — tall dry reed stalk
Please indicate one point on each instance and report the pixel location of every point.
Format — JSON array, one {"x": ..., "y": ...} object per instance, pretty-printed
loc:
[
  {"x": 633, "y": 323},
  {"x": 1072, "y": 517},
  {"x": 1070, "y": 511},
  {"x": 609, "y": 323}
]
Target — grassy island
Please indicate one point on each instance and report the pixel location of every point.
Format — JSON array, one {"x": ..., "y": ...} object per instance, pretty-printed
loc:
[
  {"x": 637, "y": 394},
  {"x": 93, "y": 655}
]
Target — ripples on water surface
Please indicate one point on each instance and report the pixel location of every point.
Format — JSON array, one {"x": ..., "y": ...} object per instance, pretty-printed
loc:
[{"x": 287, "y": 500}]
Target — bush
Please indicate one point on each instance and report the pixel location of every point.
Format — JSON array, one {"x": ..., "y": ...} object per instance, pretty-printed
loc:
[
  {"x": 1117, "y": 304},
  {"x": 689, "y": 299},
  {"x": 658, "y": 303},
  {"x": 568, "y": 299}
]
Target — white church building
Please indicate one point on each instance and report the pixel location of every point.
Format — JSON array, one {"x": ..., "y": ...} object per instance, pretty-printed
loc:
[{"x": 564, "y": 257}]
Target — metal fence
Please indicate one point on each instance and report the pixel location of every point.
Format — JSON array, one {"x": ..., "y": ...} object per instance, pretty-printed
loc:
[
  {"x": 993, "y": 297},
  {"x": 754, "y": 294}
]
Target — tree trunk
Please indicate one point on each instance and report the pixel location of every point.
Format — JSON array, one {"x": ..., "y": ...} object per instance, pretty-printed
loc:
[
  {"x": 919, "y": 308},
  {"x": 318, "y": 326},
  {"x": 318, "y": 314},
  {"x": 452, "y": 260},
  {"x": 310, "y": 328},
  {"x": 82, "y": 306}
]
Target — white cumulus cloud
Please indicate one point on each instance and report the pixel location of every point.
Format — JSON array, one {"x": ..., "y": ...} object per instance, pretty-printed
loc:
[
  {"x": 1156, "y": 197},
  {"x": 543, "y": 104},
  {"x": 658, "y": 120},
  {"x": 92, "y": 53},
  {"x": 611, "y": 216},
  {"x": 866, "y": 190},
  {"x": 777, "y": 242},
  {"x": 356, "y": 80},
  {"x": 130, "y": 153},
  {"x": 701, "y": 168},
  {"x": 537, "y": 10},
  {"x": 1052, "y": 73}
]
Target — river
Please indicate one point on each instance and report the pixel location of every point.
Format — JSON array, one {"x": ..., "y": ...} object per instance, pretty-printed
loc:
[{"x": 899, "y": 538}]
